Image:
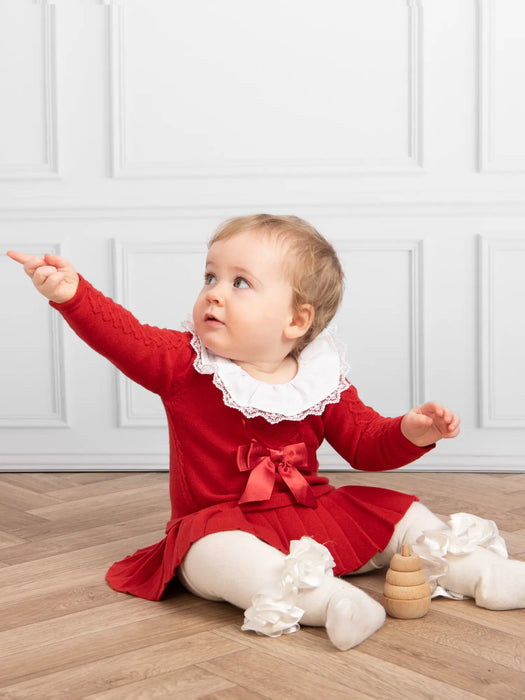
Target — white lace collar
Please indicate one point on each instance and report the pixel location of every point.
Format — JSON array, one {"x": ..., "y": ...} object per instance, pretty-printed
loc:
[{"x": 319, "y": 381}]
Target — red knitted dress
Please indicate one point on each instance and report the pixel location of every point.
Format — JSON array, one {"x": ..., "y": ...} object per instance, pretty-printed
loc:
[{"x": 239, "y": 468}]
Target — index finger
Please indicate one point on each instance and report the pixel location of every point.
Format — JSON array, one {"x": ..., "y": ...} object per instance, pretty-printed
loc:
[
  {"x": 19, "y": 257},
  {"x": 30, "y": 262}
]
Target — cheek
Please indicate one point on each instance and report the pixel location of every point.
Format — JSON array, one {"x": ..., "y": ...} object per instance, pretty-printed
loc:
[
  {"x": 267, "y": 326},
  {"x": 277, "y": 311},
  {"x": 197, "y": 306},
  {"x": 200, "y": 298}
]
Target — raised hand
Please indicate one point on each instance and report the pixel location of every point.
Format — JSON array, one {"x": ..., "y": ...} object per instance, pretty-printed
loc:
[
  {"x": 429, "y": 423},
  {"x": 53, "y": 276}
]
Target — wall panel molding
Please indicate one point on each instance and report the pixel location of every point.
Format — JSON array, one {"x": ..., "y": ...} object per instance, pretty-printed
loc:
[
  {"x": 488, "y": 160},
  {"x": 396, "y": 208},
  {"x": 48, "y": 167},
  {"x": 123, "y": 167},
  {"x": 56, "y": 417},
  {"x": 130, "y": 412},
  {"x": 500, "y": 355},
  {"x": 84, "y": 461},
  {"x": 415, "y": 311}
]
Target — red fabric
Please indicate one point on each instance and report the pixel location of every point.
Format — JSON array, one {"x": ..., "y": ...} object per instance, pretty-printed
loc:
[
  {"x": 208, "y": 438},
  {"x": 266, "y": 463}
]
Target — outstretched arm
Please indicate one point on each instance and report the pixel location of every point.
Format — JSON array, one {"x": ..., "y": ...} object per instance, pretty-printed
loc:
[
  {"x": 53, "y": 276},
  {"x": 429, "y": 423},
  {"x": 153, "y": 357},
  {"x": 371, "y": 442}
]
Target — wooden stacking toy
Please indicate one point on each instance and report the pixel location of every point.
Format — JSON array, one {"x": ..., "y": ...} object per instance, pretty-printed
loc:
[{"x": 406, "y": 593}]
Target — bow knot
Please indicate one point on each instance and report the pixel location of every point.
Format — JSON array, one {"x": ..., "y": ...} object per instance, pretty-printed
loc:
[{"x": 264, "y": 462}]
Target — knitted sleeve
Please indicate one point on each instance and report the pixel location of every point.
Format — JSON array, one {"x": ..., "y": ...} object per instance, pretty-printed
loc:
[
  {"x": 153, "y": 357},
  {"x": 364, "y": 438}
]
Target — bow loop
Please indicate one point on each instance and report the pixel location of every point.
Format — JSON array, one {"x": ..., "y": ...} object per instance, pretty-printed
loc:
[{"x": 264, "y": 462}]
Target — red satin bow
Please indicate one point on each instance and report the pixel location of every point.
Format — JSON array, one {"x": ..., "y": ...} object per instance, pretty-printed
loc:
[{"x": 263, "y": 462}]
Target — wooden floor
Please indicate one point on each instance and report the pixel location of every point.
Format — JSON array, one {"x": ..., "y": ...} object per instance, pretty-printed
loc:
[{"x": 64, "y": 634}]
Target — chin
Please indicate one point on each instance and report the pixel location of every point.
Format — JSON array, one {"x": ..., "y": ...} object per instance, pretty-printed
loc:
[{"x": 214, "y": 348}]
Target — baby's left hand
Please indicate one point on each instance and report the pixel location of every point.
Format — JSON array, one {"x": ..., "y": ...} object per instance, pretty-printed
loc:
[{"x": 429, "y": 423}]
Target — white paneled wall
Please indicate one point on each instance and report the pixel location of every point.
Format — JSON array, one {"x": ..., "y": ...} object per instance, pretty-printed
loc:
[
  {"x": 129, "y": 129},
  {"x": 173, "y": 270},
  {"x": 502, "y": 340},
  {"x": 26, "y": 329},
  {"x": 238, "y": 88},
  {"x": 28, "y": 137}
]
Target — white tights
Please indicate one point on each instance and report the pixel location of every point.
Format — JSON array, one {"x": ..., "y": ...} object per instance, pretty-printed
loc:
[
  {"x": 239, "y": 568},
  {"x": 236, "y": 566}
]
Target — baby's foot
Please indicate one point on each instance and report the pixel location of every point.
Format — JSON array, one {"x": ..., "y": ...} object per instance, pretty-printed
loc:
[{"x": 350, "y": 619}]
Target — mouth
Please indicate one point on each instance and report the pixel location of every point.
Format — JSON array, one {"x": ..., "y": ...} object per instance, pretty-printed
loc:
[{"x": 211, "y": 320}]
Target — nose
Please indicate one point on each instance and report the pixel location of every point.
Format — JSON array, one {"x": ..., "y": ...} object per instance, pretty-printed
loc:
[{"x": 215, "y": 295}]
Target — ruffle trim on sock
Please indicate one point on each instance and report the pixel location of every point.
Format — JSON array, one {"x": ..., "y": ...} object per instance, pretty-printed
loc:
[
  {"x": 273, "y": 610},
  {"x": 465, "y": 532}
]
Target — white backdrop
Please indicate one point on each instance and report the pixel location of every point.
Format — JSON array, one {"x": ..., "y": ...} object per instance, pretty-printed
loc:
[{"x": 129, "y": 129}]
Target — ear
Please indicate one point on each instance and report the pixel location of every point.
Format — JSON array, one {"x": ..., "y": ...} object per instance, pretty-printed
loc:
[{"x": 301, "y": 321}]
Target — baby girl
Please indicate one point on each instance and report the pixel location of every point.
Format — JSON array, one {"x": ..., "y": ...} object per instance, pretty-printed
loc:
[{"x": 251, "y": 388}]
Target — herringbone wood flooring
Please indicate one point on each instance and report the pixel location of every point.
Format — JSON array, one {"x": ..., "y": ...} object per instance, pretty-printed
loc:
[{"x": 64, "y": 634}]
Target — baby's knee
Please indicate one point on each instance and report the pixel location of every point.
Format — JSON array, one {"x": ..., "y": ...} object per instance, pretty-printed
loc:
[{"x": 414, "y": 523}]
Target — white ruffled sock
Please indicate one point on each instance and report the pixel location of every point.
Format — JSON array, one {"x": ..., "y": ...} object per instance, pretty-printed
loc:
[
  {"x": 493, "y": 581},
  {"x": 308, "y": 591},
  {"x": 277, "y": 591},
  {"x": 469, "y": 559},
  {"x": 348, "y": 613}
]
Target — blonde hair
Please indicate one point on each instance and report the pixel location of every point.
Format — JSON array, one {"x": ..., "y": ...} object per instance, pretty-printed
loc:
[{"x": 311, "y": 263}]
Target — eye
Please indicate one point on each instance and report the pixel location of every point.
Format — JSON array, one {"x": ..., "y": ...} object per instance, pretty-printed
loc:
[
  {"x": 209, "y": 278},
  {"x": 241, "y": 283}
]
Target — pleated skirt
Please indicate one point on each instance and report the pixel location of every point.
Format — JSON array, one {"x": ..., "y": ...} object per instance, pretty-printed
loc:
[{"x": 353, "y": 522}]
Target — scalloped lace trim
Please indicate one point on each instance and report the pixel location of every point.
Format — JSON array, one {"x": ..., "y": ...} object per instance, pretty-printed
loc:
[
  {"x": 274, "y": 611},
  {"x": 464, "y": 533},
  {"x": 238, "y": 388}
]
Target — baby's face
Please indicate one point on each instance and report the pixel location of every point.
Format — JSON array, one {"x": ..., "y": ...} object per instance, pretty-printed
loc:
[{"x": 246, "y": 302}]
